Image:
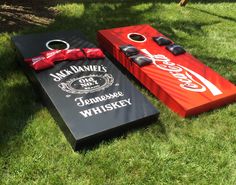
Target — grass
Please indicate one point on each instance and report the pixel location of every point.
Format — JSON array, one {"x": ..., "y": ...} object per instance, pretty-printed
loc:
[{"x": 198, "y": 150}]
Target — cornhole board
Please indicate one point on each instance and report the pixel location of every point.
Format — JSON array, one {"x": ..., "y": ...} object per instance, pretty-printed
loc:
[
  {"x": 85, "y": 111},
  {"x": 182, "y": 82}
]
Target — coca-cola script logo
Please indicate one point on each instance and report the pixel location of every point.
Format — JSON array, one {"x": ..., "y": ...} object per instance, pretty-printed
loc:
[
  {"x": 183, "y": 74},
  {"x": 87, "y": 84}
]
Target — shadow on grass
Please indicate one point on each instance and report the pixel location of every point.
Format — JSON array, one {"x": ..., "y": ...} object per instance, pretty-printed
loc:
[
  {"x": 214, "y": 14},
  {"x": 18, "y": 14},
  {"x": 227, "y": 67},
  {"x": 16, "y": 110},
  {"x": 100, "y": 17},
  {"x": 189, "y": 27},
  {"x": 16, "y": 96}
]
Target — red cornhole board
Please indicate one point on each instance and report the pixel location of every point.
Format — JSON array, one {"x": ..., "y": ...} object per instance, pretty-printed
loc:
[{"x": 182, "y": 82}]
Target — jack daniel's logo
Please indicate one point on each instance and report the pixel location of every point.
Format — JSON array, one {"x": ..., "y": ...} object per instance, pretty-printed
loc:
[
  {"x": 87, "y": 84},
  {"x": 84, "y": 79},
  {"x": 84, "y": 84},
  {"x": 183, "y": 74}
]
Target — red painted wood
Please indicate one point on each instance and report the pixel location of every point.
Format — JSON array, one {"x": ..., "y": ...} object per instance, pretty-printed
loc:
[{"x": 182, "y": 82}]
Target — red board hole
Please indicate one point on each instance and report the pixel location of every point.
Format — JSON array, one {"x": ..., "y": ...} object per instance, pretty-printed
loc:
[{"x": 137, "y": 37}]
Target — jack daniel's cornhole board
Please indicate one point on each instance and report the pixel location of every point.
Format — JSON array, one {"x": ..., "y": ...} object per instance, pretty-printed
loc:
[
  {"x": 89, "y": 99},
  {"x": 181, "y": 81}
]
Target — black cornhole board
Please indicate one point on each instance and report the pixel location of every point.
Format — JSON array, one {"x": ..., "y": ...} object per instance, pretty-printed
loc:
[{"x": 65, "y": 105}]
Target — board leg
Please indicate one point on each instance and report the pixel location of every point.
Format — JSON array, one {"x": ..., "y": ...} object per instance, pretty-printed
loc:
[{"x": 183, "y": 2}]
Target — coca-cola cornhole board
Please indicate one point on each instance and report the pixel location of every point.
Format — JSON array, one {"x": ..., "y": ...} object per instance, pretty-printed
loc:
[
  {"x": 182, "y": 82},
  {"x": 89, "y": 98}
]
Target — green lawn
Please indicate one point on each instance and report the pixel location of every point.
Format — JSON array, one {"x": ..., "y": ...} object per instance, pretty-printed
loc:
[{"x": 198, "y": 150}]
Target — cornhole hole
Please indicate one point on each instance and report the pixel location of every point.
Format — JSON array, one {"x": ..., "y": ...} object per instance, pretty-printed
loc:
[
  {"x": 174, "y": 76},
  {"x": 89, "y": 98}
]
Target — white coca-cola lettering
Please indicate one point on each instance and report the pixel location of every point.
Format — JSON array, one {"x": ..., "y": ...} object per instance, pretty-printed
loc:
[{"x": 183, "y": 74}]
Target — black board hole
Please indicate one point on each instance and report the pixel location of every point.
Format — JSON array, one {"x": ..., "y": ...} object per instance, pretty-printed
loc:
[{"x": 57, "y": 45}]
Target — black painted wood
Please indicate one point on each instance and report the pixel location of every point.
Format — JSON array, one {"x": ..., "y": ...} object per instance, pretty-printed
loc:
[{"x": 66, "y": 87}]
